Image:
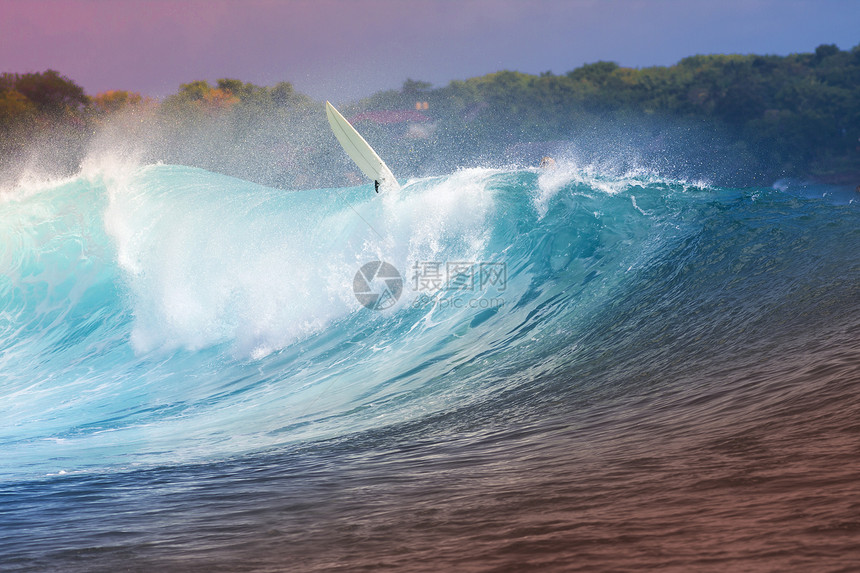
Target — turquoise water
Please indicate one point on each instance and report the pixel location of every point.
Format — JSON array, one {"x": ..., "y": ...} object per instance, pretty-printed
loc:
[{"x": 187, "y": 377}]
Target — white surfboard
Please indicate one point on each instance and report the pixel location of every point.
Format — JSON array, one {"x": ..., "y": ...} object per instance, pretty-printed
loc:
[{"x": 359, "y": 150}]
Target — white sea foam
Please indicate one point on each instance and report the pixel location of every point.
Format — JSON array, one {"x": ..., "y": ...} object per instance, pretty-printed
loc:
[{"x": 210, "y": 259}]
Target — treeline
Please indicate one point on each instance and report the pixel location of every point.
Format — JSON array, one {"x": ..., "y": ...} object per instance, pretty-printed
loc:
[
  {"x": 793, "y": 115},
  {"x": 745, "y": 117},
  {"x": 49, "y": 123}
]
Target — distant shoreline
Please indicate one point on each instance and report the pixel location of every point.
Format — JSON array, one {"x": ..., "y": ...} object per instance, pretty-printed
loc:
[{"x": 735, "y": 119}]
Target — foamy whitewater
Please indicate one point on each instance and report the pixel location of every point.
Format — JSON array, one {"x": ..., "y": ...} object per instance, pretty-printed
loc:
[{"x": 583, "y": 369}]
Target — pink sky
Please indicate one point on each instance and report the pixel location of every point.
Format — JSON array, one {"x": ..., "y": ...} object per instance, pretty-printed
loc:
[{"x": 344, "y": 49}]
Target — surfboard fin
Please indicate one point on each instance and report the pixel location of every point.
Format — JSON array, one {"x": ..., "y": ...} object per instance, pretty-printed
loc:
[{"x": 376, "y": 185}]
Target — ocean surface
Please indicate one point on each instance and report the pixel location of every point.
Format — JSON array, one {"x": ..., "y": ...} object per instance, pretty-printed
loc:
[{"x": 568, "y": 369}]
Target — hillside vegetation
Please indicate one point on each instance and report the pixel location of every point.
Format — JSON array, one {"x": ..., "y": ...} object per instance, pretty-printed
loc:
[{"x": 745, "y": 118}]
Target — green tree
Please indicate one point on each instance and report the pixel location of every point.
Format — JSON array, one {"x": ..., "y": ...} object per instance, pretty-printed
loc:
[
  {"x": 51, "y": 92},
  {"x": 413, "y": 88},
  {"x": 15, "y": 108},
  {"x": 597, "y": 73}
]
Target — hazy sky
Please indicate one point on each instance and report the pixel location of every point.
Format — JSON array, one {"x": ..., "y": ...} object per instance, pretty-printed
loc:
[{"x": 344, "y": 49}]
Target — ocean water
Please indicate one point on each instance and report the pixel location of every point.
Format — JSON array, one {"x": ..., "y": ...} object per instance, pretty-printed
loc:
[{"x": 572, "y": 369}]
